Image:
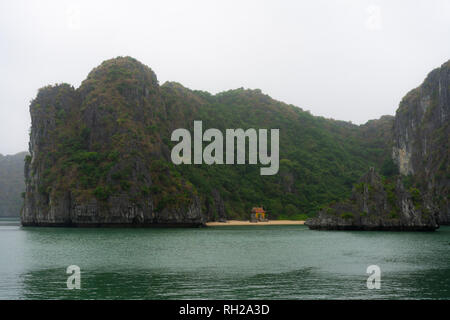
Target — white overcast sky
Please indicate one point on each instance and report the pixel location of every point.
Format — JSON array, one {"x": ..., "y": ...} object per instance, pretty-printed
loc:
[{"x": 347, "y": 60}]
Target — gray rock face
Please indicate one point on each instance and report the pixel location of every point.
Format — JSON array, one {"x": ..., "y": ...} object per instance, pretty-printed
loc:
[
  {"x": 118, "y": 211},
  {"x": 417, "y": 199},
  {"x": 377, "y": 205},
  {"x": 94, "y": 159},
  {"x": 421, "y": 139}
]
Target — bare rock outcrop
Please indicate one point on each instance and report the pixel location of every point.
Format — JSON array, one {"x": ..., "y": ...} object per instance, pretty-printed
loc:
[
  {"x": 377, "y": 204},
  {"x": 421, "y": 139},
  {"x": 96, "y": 158}
]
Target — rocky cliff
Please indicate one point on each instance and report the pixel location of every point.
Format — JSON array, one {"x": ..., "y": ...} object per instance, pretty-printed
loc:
[
  {"x": 377, "y": 204},
  {"x": 96, "y": 158},
  {"x": 100, "y": 153},
  {"x": 414, "y": 194},
  {"x": 421, "y": 139}
]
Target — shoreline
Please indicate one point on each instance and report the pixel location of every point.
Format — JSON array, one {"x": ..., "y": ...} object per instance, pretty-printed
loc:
[{"x": 248, "y": 223}]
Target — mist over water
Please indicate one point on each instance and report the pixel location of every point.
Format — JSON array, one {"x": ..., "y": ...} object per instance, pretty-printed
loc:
[{"x": 270, "y": 262}]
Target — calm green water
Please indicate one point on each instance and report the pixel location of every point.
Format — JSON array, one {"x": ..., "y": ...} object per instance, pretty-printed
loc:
[{"x": 271, "y": 262}]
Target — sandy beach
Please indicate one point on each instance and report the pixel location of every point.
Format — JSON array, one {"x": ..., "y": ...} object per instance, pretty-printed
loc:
[{"x": 248, "y": 223}]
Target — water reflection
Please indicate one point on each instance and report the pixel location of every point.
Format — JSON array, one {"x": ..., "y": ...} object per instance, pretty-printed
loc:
[
  {"x": 299, "y": 284},
  {"x": 287, "y": 262}
]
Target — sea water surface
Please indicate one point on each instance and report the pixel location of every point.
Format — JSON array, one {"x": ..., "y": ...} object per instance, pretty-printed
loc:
[{"x": 242, "y": 262}]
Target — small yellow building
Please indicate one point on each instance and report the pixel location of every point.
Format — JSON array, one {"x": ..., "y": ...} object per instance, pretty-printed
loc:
[{"x": 258, "y": 214}]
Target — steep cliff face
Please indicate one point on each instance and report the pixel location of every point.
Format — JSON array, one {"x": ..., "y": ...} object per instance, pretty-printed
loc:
[
  {"x": 100, "y": 154},
  {"x": 377, "y": 204},
  {"x": 413, "y": 193},
  {"x": 96, "y": 158},
  {"x": 421, "y": 139}
]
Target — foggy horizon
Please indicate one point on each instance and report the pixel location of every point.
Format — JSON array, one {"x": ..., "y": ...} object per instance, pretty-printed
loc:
[{"x": 347, "y": 60}]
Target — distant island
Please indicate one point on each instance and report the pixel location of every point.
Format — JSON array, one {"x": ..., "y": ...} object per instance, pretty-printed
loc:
[
  {"x": 12, "y": 184},
  {"x": 100, "y": 155}
]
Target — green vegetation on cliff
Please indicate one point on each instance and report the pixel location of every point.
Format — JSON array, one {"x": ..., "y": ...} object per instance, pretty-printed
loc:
[
  {"x": 319, "y": 158},
  {"x": 111, "y": 137}
]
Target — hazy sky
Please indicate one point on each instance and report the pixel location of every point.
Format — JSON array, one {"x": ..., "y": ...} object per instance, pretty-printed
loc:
[{"x": 347, "y": 60}]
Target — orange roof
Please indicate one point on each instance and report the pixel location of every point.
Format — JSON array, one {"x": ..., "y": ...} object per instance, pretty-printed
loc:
[{"x": 258, "y": 210}]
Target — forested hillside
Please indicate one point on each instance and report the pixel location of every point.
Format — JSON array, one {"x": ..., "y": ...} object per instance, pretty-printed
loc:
[
  {"x": 12, "y": 184},
  {"x": 320, "y": 158},
  {"x": 101, "y": 153}
]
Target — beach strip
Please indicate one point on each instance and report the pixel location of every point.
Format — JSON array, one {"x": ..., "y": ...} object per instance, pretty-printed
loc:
[{"x": 248, "y": 223}]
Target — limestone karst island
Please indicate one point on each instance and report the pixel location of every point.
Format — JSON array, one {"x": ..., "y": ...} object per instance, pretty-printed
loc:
[
  {"x": 99, "y": 155},
  {"x": 239, "y": 158}
]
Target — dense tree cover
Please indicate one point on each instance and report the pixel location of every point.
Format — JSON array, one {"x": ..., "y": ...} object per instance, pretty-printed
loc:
[
  {"x": 11, "y": 184},
  {"x": 102, "y": 140},
  {"x": 320, "y": 158},
  {"x": 112, "y": 136}
]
